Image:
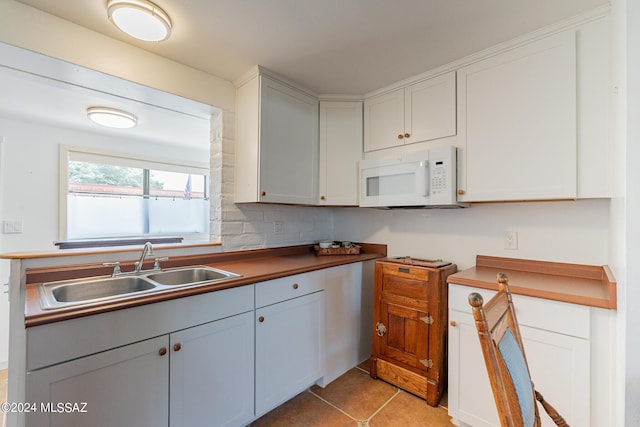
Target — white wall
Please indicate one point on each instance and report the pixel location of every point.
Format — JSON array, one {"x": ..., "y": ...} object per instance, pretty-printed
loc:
[
  {"x": 632, "y": 343},
  {"x": 552, "y": 231}
]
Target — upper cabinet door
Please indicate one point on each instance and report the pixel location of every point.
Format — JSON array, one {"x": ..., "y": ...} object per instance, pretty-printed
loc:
[
  {"x": 288, "y": 144},
  {"x": 419, "y": 112},
  {"x": 430, "y": 109},
  {"x": 517, "y": 123},
  {"x": 340, "y": 151},
  {"x": 384, "y": 121}
]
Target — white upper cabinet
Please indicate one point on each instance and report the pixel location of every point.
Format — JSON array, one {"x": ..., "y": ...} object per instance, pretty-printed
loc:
[
  {"x": 340, "y": 151},
  {"x": 277, "y": 143},
  {"x": 517, "y": 123},
  {"x": 419, "y": 112}
]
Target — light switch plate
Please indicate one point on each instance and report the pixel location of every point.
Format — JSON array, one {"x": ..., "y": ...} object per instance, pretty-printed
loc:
[{"x": 13, "y": 226}]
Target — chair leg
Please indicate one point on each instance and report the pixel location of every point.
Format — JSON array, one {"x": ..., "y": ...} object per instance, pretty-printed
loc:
[{"x": 555, "y": 416}]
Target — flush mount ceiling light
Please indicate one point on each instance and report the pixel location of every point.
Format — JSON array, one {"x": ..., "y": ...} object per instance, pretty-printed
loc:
[
  {"x": 140, "y": 19},
  {"x": 110, "y": 117}
]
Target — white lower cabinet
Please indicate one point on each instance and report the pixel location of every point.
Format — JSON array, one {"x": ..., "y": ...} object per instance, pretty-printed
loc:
[
  {"x": 289, "y": 346},
  {"x": 222, "y": 358},
  {"x": 211, "y": 374},
  {"x": 126, "y": 386},
  {"x": 557, "y": 340},
  {"x": 200, "y": 376}
]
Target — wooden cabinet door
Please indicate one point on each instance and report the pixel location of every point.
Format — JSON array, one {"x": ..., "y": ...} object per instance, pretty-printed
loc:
[
  {"x": 517, "y": 122},
  {"x": 288, "y": 144},
  {"x": 127, "y": 386},
  {"x": 289, "y": 348},
  {"x": 407, "y": 337},
  {"x": 211, "y": 373},
  {"x": 340, "y": 150}
]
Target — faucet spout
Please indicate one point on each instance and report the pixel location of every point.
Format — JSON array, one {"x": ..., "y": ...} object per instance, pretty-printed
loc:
[{"x": 147, "y": 250}]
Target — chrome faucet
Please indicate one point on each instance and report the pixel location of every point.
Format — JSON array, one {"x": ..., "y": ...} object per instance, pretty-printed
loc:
[{"x": 147, "y": 250}]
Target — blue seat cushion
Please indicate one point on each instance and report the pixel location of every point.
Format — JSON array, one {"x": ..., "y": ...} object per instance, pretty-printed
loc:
[{"x": 514, "y": 359}]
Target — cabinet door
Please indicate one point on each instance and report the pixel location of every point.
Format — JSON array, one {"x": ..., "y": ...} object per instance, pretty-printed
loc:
[
  {"x": 407, "y": 338},
  {"x": 289, "y": 346},
  {"x": 517, "y": 120},
  {"x": 288, "y": 144},
  {"x": 384, "y": 121},
  {"x": 559, "y": 365},
  {"x": 127, "y": 386},
  {"x": 430, "y": 109},
  {"x": 211, "y": 373},
  {"x": 340, "y": 150}
]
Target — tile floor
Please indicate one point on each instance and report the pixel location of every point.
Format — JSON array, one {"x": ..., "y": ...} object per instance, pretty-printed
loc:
[
  {"x": 353, "y": 400},
  {"x": 356, "y": 400}
]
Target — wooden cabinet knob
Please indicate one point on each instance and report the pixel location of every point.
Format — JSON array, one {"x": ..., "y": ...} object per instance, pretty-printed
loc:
[
  {"x": 453, "y": 323},
  {"x": 177, "y": 346},
  {"x": 263, "y": 193},
  {"x": 407, "y": 135},
  {"x": 400, "y": 136},
  {"x": 295, "y": 286},
  {"x": 261, "y": 319},
  {"x": 322, "y": 198},
  {"x": 162, "y": 351},
  {"x": 461, "y": 192}
]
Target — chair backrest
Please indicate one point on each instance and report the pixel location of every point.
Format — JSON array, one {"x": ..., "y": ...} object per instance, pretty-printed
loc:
[{"x": 505, "y": 358}]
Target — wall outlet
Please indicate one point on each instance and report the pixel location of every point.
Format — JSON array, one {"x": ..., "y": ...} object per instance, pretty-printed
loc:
[
  {"x": 13, "y": 226},
  {"x": 511, "y": 240},
  {"x": 278, "y": 227}
]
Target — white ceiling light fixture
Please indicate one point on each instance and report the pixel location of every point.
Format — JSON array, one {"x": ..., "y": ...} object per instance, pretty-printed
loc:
[
  {"x": 111, "y": 117},
  {"x": 140, "y": 19}
]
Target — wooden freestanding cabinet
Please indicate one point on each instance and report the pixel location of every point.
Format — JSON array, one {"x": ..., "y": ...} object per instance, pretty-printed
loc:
[{"x": 410, "y": 325}]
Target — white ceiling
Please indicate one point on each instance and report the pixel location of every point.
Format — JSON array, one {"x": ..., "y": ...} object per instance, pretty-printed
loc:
[{"x": 327, "y": 46}]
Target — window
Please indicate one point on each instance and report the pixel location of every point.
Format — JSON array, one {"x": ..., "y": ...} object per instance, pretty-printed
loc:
[{"x": 111, "y": 196}]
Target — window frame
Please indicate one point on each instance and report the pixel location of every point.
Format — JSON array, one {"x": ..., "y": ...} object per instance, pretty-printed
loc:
[{"x": 124, "y": 159}]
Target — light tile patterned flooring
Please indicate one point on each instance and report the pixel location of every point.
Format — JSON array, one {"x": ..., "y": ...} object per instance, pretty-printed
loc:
[
  {"x": 356, "y": 400},
  {"x": 353, "y": 400}
]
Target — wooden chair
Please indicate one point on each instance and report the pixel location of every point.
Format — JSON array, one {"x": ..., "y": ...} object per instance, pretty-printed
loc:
[{"x": 504, "y": 356}]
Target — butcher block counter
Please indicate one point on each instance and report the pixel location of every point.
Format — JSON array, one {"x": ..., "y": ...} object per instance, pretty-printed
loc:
[
  {"x": 587, "y": 285},
  {"x": 253, "y": 265}
]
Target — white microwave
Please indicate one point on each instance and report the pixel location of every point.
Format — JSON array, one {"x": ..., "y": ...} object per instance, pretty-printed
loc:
[{"x": 418, "y": 179}]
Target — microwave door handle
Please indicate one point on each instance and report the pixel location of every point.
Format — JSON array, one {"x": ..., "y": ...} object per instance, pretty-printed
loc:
[{"x": 424, "y": 178}]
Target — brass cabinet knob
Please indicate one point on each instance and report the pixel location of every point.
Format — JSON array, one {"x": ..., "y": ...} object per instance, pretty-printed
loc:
[
  {"x": 323, "y": 198},
  {"x": 381, "y": 329},
  {"x": 162, "y": 351},
  {"x": 261, "y": 319},
  {"x": 453, "y": 323},
  {"x": 400, "y": 136},
  {"x": 461, "y": 192},
  {"x": 177, "y": 346},
  {"x": 263, "y": 193},
  {"x": 407, "y": 135},
  {"x": 295, "y": 286}
]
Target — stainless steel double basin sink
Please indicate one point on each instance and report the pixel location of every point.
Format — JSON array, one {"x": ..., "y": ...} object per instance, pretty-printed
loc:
[{"x": 67, "y": 293}]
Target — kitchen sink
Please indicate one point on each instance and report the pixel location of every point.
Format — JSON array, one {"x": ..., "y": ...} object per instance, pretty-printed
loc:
[
  {"x": 67, "y": 293},
  {"x": 190, "y": 276}
]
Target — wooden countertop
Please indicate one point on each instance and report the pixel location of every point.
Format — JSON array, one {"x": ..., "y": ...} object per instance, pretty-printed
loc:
[
  {"x": 254, "y": 266},
  {"x": 588, "y": 285}
]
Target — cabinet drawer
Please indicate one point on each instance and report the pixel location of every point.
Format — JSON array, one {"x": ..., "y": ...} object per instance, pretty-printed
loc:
[
  {"x": 273, "y": 291},
  {"x": 405, "y": 271},
  {"x": 556, "y": 316}
]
